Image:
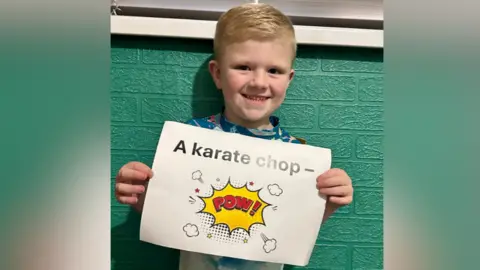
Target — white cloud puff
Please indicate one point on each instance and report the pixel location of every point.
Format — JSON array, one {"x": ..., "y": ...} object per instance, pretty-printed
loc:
[
  {"x": 197, "y": 175},
  {"x": 270, "y": 245},
  {"x": 191, "y": 230},
  {"x": 275, "y": 190}
]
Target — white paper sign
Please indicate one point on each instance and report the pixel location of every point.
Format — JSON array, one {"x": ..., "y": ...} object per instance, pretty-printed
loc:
[{"x": 232, "y": 195}]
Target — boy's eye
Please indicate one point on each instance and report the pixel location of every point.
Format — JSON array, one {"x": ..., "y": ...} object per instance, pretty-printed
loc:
[
  {"x": 242, "y": 67},
  {"x": 274, "y": 71}
]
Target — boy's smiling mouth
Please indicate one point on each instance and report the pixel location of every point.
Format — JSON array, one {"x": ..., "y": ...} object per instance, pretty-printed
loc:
[{"x": 255, "y": 98}]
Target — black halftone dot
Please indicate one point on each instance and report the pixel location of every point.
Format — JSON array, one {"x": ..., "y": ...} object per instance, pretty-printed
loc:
[
  {"x": 206, "y": 221},
  {"x": 216, "y": 232},
  {"x": 222, "y": 230},
  {"x": 239, "y": 235},
  {"x": 254, "y": 230}
]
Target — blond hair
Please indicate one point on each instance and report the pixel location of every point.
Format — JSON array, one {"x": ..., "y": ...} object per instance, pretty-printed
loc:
[{"x": 260, "y": 22}]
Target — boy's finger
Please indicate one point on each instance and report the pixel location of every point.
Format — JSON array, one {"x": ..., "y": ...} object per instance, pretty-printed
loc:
[
  {"x": 340, "y": 200},
  {"x": 330, "y": 173},
  {"x": 331, "y": 182},
  {"x": 138, "y": 166},
  {"x": 127, "y": 174},
  {"x": 127, "y": 200},
  {"x": 340, "y": 191},
  {"x": 126, "y": 189}
]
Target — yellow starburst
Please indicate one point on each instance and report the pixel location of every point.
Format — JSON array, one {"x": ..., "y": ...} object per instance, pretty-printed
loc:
[{"x": 236, "y": 207}]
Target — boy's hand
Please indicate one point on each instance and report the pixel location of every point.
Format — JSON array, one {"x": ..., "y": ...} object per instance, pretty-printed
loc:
[
  {"x": 337, "y": 186},
  {"x": 131, "y": 181}
]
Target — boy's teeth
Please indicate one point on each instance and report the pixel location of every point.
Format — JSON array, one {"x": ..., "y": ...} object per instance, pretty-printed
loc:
[{"x": 255, "y": 98}]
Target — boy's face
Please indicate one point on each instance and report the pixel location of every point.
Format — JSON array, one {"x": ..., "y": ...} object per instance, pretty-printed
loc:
[{"x": 253, "y": 77}]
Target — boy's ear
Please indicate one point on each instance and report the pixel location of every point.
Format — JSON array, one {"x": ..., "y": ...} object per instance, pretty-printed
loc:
[
  {"x": 291, "y": 75},
  {"x": 214, "y": 69}
]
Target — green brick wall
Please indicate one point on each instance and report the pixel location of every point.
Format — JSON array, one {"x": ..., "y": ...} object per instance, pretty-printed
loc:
[{"x": 335, "y": 101}]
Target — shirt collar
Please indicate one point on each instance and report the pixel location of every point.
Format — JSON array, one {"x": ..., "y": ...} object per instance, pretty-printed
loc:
[{"x": 272, "y": 133}]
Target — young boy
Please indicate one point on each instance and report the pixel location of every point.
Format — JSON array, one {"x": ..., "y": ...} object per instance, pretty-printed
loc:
[{"x": 254, "y": 49}]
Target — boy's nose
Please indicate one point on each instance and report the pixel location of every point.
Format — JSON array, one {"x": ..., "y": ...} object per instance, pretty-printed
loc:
[{"x": 259, "y": 80}]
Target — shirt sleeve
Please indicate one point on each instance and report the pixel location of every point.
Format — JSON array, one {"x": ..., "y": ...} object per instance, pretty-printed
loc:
[{"x": 190, "y": 122}]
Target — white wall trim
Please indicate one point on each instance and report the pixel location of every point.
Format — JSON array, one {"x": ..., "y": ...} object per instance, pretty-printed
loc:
[{"x": 198, "y": 29}]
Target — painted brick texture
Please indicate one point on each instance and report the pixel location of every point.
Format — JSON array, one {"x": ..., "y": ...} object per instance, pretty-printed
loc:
[{"x": 335, "y": 101}]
